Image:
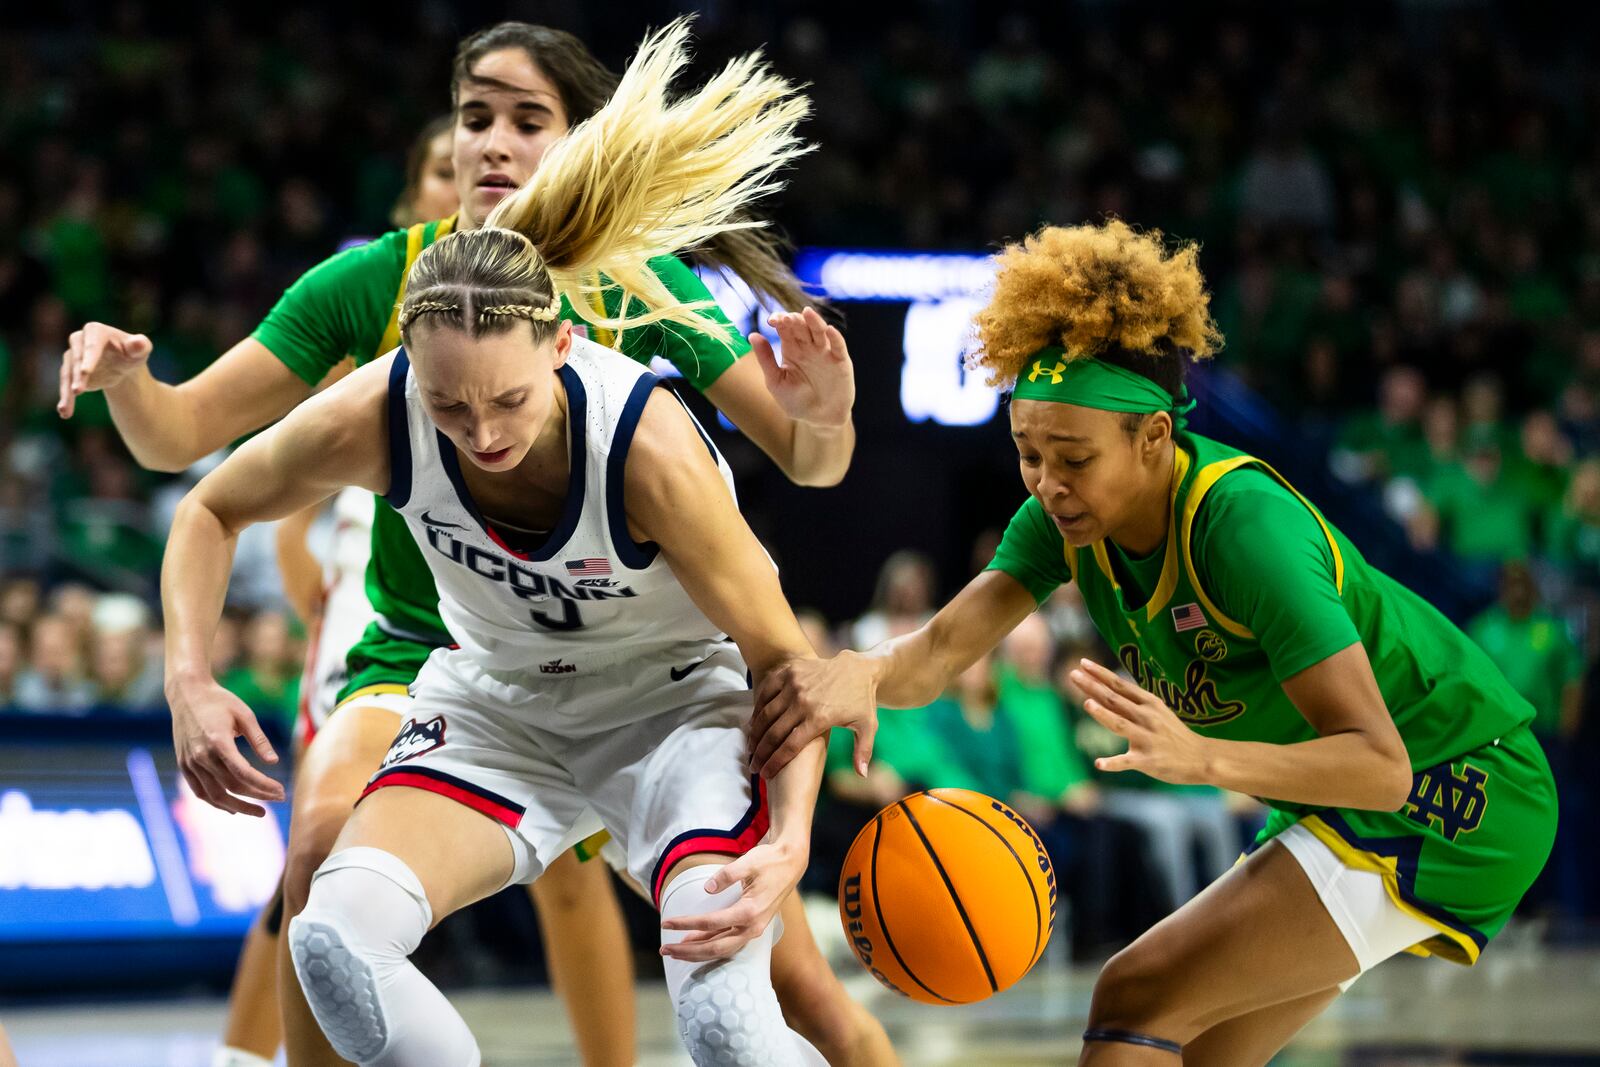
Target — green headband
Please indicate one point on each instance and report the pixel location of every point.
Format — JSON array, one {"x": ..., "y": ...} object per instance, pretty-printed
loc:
[{"x": 1094, "y": 383}]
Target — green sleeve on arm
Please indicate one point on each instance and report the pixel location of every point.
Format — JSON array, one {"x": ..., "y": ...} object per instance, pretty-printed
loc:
[
  {"x": 699, "y": 358},
  {"x": 336, "y": 309},
  {"x": 1266, "y": 562},
  {"x": 1033, "y": 552}
]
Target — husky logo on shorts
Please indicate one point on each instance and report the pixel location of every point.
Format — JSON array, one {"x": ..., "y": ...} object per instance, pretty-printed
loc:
[{"x": 414, "y": 739}]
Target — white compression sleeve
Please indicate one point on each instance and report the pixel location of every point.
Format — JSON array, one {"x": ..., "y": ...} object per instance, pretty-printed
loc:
[
  {"x": 366, "y": 914},
  {"x": 728, "y": 1015}
]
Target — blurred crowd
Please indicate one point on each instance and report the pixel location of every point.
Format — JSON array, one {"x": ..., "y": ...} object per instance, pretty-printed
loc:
[
  {"x": 1398, "y": 214},
  {"x": 1399, "y": 217},
  {"x": 73, "y": 651}
]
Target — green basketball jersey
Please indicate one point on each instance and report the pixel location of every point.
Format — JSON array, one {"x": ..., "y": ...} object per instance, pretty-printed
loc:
[
  {"x": 1251, "y": 586},
  {"x": 1217, "y": 674}
]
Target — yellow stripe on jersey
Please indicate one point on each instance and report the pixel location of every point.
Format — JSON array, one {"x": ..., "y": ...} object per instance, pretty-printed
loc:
[
  {"x": 597, "y": 304},
  {"x": 590, "y": 847},
  {"x": 415, "y": 237},
  {"x": 381, "y": 689},
  {"x": 1169, "y": 563},
  {"x": 1451, "y": 945},
  {"x": 1203, "y": 483}
]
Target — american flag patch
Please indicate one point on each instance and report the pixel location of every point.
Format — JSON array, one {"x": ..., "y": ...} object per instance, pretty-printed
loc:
[
  {"x": 588, "y": 568},
  {"x": 1184, "y": 617}
]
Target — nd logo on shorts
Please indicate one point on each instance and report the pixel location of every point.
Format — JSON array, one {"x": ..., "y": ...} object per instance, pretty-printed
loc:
[{"x": 414, "y": 739}]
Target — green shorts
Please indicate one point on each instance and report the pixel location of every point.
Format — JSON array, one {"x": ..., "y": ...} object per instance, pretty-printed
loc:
[
  {"x": 383, "y": 663},
  {"x": 1459, "y": 856}
]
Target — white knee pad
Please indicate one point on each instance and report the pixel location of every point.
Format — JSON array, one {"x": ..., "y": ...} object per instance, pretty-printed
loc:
[
  {"x": 728, "y": 1015},
  {"x": 365, "y": 915}
]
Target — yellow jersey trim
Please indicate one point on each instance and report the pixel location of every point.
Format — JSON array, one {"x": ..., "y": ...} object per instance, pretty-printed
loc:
[
  {"x": 590, "y": 847},
  {"x": 381, "y": 689},
  {"x": 1452, "y": 944},
  {"x": 414, "y": 246},
  {"x": 1169, "y": 562},
  {"x": 597, "y": 304},
  {"x": 1203, "y": 483}
]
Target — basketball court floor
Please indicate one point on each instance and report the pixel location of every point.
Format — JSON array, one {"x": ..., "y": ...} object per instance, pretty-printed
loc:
[{"x": 1523, "y": 1005}]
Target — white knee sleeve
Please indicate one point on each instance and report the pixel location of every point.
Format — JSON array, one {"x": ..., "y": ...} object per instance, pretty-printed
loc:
[
  {"x": 365, "y": 915},
  {"x": 728, "y": 1015}
]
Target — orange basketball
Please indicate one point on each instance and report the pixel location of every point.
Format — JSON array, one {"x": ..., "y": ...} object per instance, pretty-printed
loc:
[{"x": 947, "y": 896}]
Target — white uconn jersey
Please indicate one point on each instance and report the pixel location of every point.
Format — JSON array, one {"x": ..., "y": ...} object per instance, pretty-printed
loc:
[{"x": 589, "y": 597}]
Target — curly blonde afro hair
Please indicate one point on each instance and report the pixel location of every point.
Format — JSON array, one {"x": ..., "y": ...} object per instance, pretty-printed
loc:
[{"x": 1091, "y": 288}]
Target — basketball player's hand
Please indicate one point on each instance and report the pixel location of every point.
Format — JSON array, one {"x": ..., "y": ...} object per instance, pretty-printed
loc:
[
  {"x": 205, "y": 720},
  {"x": 1159, "y": 744},
  {"x": 816, "y": 382},
  {"x": 769, "y": 872},
  {"x": 97, "y": 357},
  {"x": 802, "y": 700}
]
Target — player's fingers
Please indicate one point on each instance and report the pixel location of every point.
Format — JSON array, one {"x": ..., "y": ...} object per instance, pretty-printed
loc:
[
  {"x": 94, "y": 345},
  {"x": 734, "y": 915},
  {"x": 1116, "y": 683},
  {"x": 714, "y": 948},
  {"x": 767, "y": 714},
  {"x": 245, "y": 722},
  {"x": 238, "y": 806},
  {"x": 836, "y": 343},
  {"x": 197, "y": 782},
  {"x": 796, "y": 743},
  {"x": 816, "y": 329},
  {"x": 138, "y": 346},
  {"x": 1098, "y": 690},
  {"x": 792, "y": 340},
  {"x": 1124, "y": 762},
  {"x": 237, "y": 776},
  {"x": 65, "y": 403},
  {"x": 771, "y": 685},
  {"x": 766, "y": 358},
  {"x": 770, "y": 739},
  {"x": 732, "y": 874},
  {"x": 207, "y": 786},
  {"x": 866, "y": 735},
  {"x": 1097, "y": 711}
]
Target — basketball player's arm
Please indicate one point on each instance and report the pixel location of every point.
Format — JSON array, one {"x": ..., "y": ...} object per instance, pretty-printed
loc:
[
  {"x": 802, "y": 701},
  {"x": 339, "y": 438},
  {"x": 1357, "y": 759},
  {"x": 798, "y": 412},
  {"x": 167, "y": 427},
  {"x": 676, "y": 498},
  {"x": 1269, "y": 564}
]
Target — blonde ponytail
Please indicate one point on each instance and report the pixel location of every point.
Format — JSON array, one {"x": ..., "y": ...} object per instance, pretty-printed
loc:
[{"x": 647, "y": 176}]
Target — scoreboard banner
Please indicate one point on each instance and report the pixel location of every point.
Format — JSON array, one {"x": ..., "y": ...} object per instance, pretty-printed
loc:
[{"x": 102, "y": 840}]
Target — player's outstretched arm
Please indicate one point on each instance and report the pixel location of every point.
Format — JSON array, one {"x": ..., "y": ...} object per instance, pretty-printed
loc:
[
  {"x": 337, "y": 439},
  {"x": 802, "y": 701},
  {"x": 167, "y": 427},
  {"x": 798, "y": 412},
  {"x": 676, "y": 497},
  {"x": 1357, "y": 760}
]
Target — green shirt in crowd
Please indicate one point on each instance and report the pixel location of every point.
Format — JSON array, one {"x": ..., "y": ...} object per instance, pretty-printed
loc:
[{"x": 1537, "y": 656}]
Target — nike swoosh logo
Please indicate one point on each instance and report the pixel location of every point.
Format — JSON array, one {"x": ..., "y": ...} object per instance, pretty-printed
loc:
[
  {"x": 431, "y": 521},
  {"x": 680, "y": 673}
]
